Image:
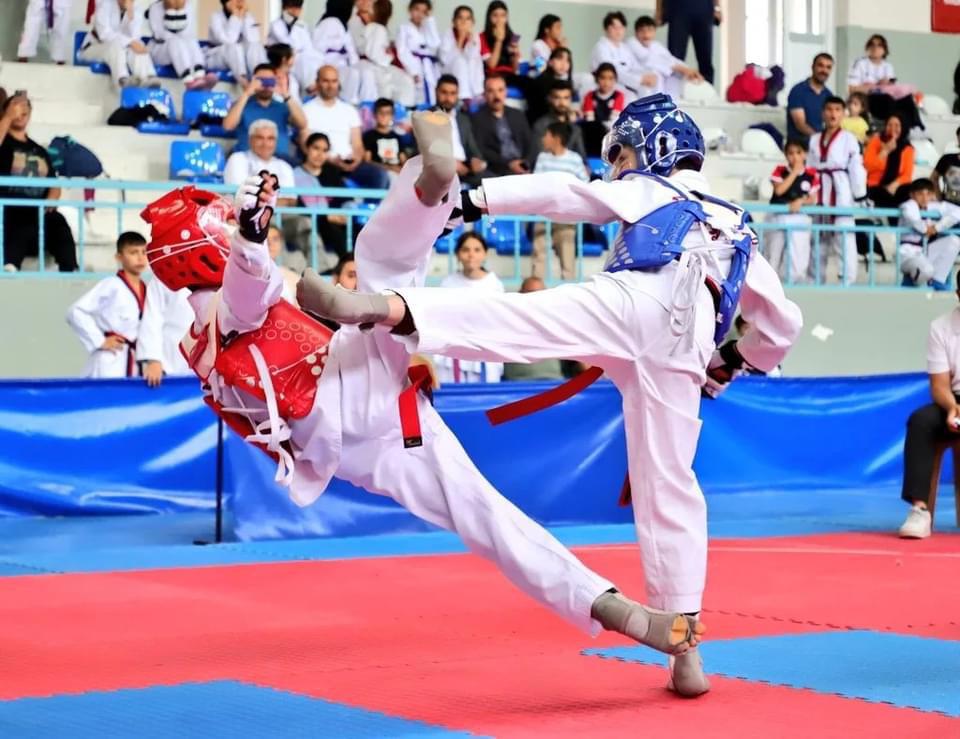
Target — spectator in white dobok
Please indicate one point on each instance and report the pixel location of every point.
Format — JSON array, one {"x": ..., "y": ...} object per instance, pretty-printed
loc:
[
  {"x": 174, "y": 41},
  {"x": 927, "y": 254},
  {"x": 167, "y": 316},
  {"x": 377, "y": 56},
  {"x": 115, "y": 41},
  {"x": 235, "y": 42},
  {"x": 653, "y": 57},
  {"x": 51, "y": 17},
  {"x": 262, "y": 155}
]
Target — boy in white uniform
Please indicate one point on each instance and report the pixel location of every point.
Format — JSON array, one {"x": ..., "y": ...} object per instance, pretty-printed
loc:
[
  {"x": 115, "y": 41},
  {"x": 235, "y": 41},
  {"x": 175, "y": 42},
  {"x": 652, "y": 56},
  {"x": 418, "y": 49},
  {"x": 651, "y": 321},
  {"x": 335, "y": 47},
  {"x": 167, "y": 316},
  {"x": 927, "y": 255},
  {"x": 349, "y": 425},
  {"x": 53, "y": 16},
  {"x": 106, "y": 319}
]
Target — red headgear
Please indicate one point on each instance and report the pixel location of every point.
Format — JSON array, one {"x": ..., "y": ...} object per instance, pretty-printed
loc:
[{"x": 188, "y": 241}]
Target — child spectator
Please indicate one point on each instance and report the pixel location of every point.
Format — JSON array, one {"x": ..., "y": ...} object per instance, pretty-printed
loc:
[
  {"x": 926, "y": 254},
  {"x": 471, "y": 252},
  {"x": 460, "y": 54},
  {"x": 375, "y": 48},
  {"x": 612, "y": 50},
  {"x": 549, "y": 37},
  {"x": 418, "y": 49},
  {"x": 794, "y": 185},
  {"x": 175, "y": 42},
  {"x": 106, "y": 319},
  {"x": 335, "y": 47},
  {"x": 556, "y": 157},
  {"x": 330, "y": 228},
  {"x": 856, "y": 120},
  {"x": 381, "y": 143},
  {"x": 287, "y": 29},
  {"x": 653, "y": 58},
  {"x": 167, "y": 316},
  {"x": 500, "y": 46},
  {"x": 601, "y": 107},
  {"x": 52, "y": 16},
  {"x": 561, "y": 110},
  {"x": 115, "y": 41},
  {"x": 947, "y": 175},
  {"x": 872, "y": 70},
  {"x": 235, "y": 41}
]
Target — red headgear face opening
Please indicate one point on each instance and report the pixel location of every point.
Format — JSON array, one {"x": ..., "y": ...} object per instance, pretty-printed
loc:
[{"x": 189, "y": 243}]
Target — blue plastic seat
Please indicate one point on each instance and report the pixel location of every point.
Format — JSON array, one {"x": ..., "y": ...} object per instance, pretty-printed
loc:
[
  {"x": 197, "y": 103},
  {"x": 503, "y": 235},
  {"x": 515, "y": 93},
  {"x": 593, "y": 249},
  {"x": 95, "y": 67},
  {"x": 597, "y": 167},
  {"x": 139, "y": 97},
  {"x": 446, "y": 244},
  {"x": 523, "y": 69},
  {"x": 197, "y": 161}
]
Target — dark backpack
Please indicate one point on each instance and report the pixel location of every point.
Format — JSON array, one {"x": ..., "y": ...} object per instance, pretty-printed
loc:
[{"x": 71, "y": 159}]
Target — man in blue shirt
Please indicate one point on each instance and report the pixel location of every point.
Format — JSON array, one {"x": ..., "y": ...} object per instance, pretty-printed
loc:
[
  {"x": 266, "y": 97},
  {"x": 805, "y": 103}
]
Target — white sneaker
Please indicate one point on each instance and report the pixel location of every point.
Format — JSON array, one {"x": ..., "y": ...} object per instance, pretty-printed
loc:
[
  {"x": 10, "y": 268},
  {"x": 917, "y": 525}
]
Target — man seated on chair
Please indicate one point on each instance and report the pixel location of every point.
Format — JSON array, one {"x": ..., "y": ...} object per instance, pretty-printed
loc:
[{"x": 932, "y": 424}]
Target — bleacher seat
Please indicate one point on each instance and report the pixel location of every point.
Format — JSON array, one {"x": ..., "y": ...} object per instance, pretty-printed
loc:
[
  {"x": 138, "y": 97},
  {"x": 95, "y": 67},
  {"x": 700, "y": 92},
  {"x": 935, "y": 105},
  {"x": 925, "y": 153},
  {"x": 196, "y": 161},
  {"x": 597, "y": 167},
  {"x": 446, "y": 244},
  {"x": 503, "y": 234},
  {"x": 197, "y": 103},
  {"x": 759, "y": 142}
]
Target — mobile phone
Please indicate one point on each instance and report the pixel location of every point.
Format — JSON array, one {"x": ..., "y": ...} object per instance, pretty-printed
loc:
[{"x": 268, "y": 82}]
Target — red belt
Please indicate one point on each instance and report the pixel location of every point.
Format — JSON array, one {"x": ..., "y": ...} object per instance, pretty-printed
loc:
[{"x": 420, "y": 379}]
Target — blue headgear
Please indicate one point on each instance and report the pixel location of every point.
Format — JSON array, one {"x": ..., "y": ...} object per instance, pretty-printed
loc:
[{"x": 658, "y": 131}]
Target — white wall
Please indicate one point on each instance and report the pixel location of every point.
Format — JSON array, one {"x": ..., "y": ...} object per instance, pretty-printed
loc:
[{"x": 911, "y": 16}]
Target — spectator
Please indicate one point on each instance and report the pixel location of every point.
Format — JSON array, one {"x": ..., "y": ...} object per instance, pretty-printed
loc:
[
  {"x": 872, "y": 70},
  {"x": 465, "y": 150},
  {"x": 21, "y": 156},
  {"x": 556, "y": 157},
  {"x": 288, "y": 29},
  {"x": 932, "y": 424},
  {"x": 361, "y": 15},
  {"x": 545, "y": 369},
  {"x": 653, "y": 57},
  {"x": 560, "y": 101},
  {"x": 806, "y": 100},
  {"x": 335, "y": 48},
  {"x": 235, "y": 41},
  {"x": 115, "y": 41},
  {"x": 106, "y": 318},
  {"x": 340, "y": 121},
  {"x": 688, "y": 19},
  {"x": 418, "y": 49},
  {"x": 856, "y": 119},
  {"x": 376, "y": 50},
  {"x": 167, "y": 316},
  {"x": 266, "y": 97},
  {"x": 549, "y": 37},
  {"x": 381, "y": 143},
  {"x": 460, "y": 54},
  {"x": 612, "y": 50},
  {"x": 601, "y": 108},
  {"x": 275, "y": 247},
  {"x": 888, "y": 158},
  {"x": 53, "y": 16},
  {"x": 262, "y": 155},
  {"x": 282, "y": 58},
  {"x": 946, "y": 175},
  {"x": 794, "y": 185},
  {"x": 500, "y": 46},
  {"x": 931, "y": 265},
  {"x": 560, "y": 67},
  {"x": 174, "y": 42},
  {"x": 502, "y": 133},
  {"x": 471, "y": 252},
  {"x": 331, "y": 228}
]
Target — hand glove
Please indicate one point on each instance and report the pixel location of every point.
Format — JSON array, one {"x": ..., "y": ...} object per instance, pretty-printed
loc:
[
  {"x": 254, "y": 204},
  {"x": 724, "y": 367},
  {"x": 470, "y": 211}
]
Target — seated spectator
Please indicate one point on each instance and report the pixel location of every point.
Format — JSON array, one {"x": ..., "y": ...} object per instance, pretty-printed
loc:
[
  {"x": 500, "y": 47},
  {"x": 381, "y": 143},
  {"x": 460, "y": 54},
  {"x": 855, "y": 120},
  {"x": 931, "y": 265},
  {"x": 276, "y": 247},
  {"x": 115, "y": 41},
  {"x": 283, "y": 59},
  {"x": 794, "y": 185},
  {"x": 174, "y": 42},
  {"x": 377, "y": 56},
  {"x": 888, "y": 159},
  {"x": 290, "y": 30},
  {"x": 332, "y": 229},
  {"x": 21, "y": 156},
  {"x": 652, "y": 57},
  {"x": 561, "y": 110},
  {"x": 262, "y": 155},
  {"x": 601, "y": 107},
  {"x": 335, "y": 48},
  {"x": 235, "y": 41},
  {"x": 340, "y": 121},
  {"x": 557, "y": 157},
  {"x": 418, "y": 49},
  {"x": 806, "y": 100},
  {"x": 52, "y": 16},
  {"x": 559, "y": 67},
  {"x": 545, "y": 369},
  {"x": 549, "y": 37},
  {"x": 946, "y": 176},
  {"x": 470, "y": 165},
  {"x": 874, "y": 76},
  {"x": 266, "y": 97},
  {"x": 932, "y": 424},
  {"x": 502, "y": 133},
  {"x": 471, "y": 253},
  {"x": 106, "y": 318},
  {"x": 612, "y": 50},
  {"x": 360, "y": 16}
]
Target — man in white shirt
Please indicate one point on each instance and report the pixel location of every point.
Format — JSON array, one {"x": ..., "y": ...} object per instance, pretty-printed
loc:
[
  {"x": 261, "y": 156},
  {"x": 934, "y": 423},
  {"x": 340, "y": 121}
]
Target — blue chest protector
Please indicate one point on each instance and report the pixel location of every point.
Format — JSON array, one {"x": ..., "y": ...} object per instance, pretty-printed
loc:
[{"x": 657, "y": 240}]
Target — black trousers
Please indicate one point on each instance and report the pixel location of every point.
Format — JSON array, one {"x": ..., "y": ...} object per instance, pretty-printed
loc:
[
  {"x": 926, "y": 427},
  {"x": 686, "y": 24},
  {"x": 21, "y": 238}
]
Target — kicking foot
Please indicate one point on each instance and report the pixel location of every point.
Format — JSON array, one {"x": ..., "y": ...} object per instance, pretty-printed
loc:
[
  {"x": 434, "y": 136},
  {"x": 317, "y": 295},
  {"x": 672, "y": 633},
  {"x": 686, "y": 674}
]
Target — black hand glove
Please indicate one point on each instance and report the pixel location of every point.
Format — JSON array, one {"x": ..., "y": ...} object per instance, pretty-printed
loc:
[
  {"x": 254, "y": 205},
  {"x": 723, "y": 369}
]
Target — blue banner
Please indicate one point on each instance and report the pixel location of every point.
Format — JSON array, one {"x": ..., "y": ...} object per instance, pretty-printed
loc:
[{"x": 96, "y": 447}]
